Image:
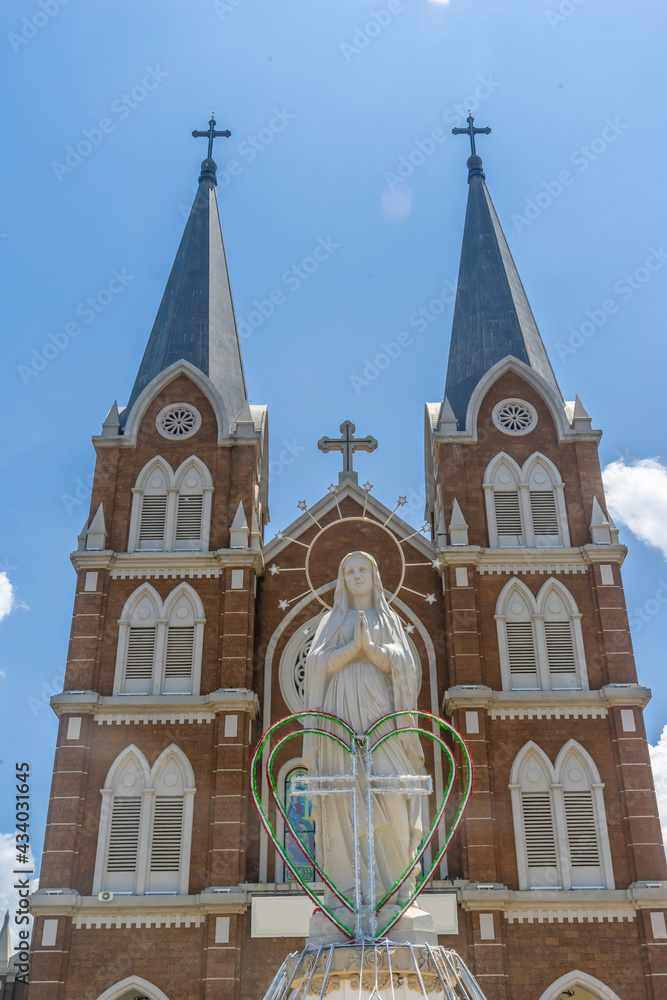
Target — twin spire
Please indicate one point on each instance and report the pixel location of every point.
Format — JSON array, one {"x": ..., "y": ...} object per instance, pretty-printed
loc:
[
  {"x": 492, "y": 315},
  {"x": 196, "y": 321}
]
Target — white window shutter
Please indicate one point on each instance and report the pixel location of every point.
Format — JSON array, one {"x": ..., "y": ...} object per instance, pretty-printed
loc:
[
  {"x": 560, "y": 647},
  {"x": 140, "y": 657},
  {"x": 124, "y": 836},
  {"x": 538, "y": 830},
  {"x": 521, "y": 648},
  {"x": 581, "y": 831},
  {"x": 153, "y": 518},
  {"x": 508, "y": 513},
  {"x": 179, "y": 658},
  {"x": 189, "y": 518},
  {"x": 167, "y": 833},
  {"x": 544, "y": 513}
]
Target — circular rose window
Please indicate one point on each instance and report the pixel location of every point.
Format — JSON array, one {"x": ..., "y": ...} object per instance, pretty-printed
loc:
[
  {"x": 178, "y": 420},
  {"x": 514, "y": 416}
]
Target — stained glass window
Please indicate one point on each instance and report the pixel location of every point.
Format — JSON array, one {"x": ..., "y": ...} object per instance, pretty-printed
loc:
[{"x": 298, "y": 809}]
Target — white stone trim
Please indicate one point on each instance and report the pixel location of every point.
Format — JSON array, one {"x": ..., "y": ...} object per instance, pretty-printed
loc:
[
  {"x": 132, "y": 983},
  {"x": 582, "y": 979},
  {"x": 514, "y": 401},
  {"x": 137, "y": 709},
  {"x": 553, "y": 780},
  {"x": 149, "y": 778},
  {"x": 174, "y": 406},
  {"x": 538, "y": 609},
  {"x": 561, "y": 915},
  {"x": 181, "y": 565},
  {"x": 565, "y": 704}
]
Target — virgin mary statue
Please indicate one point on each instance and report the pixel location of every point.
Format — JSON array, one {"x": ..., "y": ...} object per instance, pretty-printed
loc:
[{"x": 360, "y": 668}]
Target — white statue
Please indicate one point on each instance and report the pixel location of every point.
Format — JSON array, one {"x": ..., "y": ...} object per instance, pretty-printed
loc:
[{"x": 360, "y": 668}]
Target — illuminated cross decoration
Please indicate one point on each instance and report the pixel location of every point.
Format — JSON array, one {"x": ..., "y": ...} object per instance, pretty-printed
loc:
[
  {"x": 471, "y": 131},
  {"x": 348, "y": 444},
  {"x": 211, "y": 134},
  {"x": 347, "y": 784}
]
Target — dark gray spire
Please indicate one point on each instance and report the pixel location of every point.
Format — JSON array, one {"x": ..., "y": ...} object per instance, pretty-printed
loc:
[
  {"x": 196, "y": 321},
  {"x": 492, "y": 316}
]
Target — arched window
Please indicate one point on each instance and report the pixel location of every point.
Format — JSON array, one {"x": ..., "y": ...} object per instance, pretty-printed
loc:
[
  {"x": 160, "y": 643},
  {"x": 539, "y": 638},
  {"x": 525, "y": 506},
  {"x": 145, "y": 828},
  {"x": 171, "y": 511},
  {"x": 298, "y": 809},
  {"x": 503, "y": 503},
  {"x": 559, "y": 820}
]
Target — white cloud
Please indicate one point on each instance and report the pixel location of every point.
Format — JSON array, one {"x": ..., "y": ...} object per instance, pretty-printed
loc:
[
  {"x": 637, "y": 497},
  {"x": 659, "y": 763},
  {"x": 7, "y": 599},
  {"x": 8, "y": 894}
]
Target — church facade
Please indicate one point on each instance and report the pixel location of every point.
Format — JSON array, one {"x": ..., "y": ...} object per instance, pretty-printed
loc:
[{"x": 189, "y": 638}]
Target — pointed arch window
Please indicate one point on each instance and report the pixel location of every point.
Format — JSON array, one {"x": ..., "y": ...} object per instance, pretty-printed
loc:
[
  {"x": 160, "y": 643},
  {"x": 145, "y": 830},
  {"x": 540, "y": 639},
  {"x": 525, "y": 506},
  {"x": 559, "y": 820},
  {"x": 171, "y": 511}
]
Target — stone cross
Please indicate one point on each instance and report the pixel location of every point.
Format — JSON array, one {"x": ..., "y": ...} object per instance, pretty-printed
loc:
[
  {"x": 347, "y": 784},
  {"x": 348, "y": 444},
  {"x": 471, "y": 131},
  {"x": 211, "y": 134}
]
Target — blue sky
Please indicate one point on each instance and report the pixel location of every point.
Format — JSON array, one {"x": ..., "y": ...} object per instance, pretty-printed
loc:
[{"x": 332, "y": 105}]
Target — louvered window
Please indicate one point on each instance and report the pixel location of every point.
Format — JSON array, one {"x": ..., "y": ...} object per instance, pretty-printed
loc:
[
  {"x": 560, "y": 647},
  {"x": 521, "y": 648},
  {"x": 508, "y": 515},
  {"x": 180, "y": 648},
  {"x": 167, "y": 833},
  {"x": 543, "y": 509},
  {"x": 581, "y": 833},
  {"x": 124, "y": 836},
  {"x": 539, "y": 830},
  {"x": 153, "y": 517},
  {"x": 140, "y": 654},
  {"x": 188, "y": 518}
]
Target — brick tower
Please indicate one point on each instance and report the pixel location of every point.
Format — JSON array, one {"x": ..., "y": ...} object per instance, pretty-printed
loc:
[{"x": 189, "y": 639}]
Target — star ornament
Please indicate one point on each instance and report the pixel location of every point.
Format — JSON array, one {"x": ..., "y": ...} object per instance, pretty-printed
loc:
[
  {"x": 409, "y": 629},
  {"x": 274, "y": 569},
  {"x": 402, "y": 501},
  {"x": 333, "y": 489},
  {"x": 430, "y": 598},
  {"x": 302, "y": 505},
  {"x": 305, "y": 630},
  {"x": 283, "y": 605},
  {"x": 368, "y": 486},
  {"x": 437, "y": 563}
]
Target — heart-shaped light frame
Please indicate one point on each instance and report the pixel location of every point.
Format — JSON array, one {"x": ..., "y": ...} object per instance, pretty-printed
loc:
[{"x": 356, "y": 742}]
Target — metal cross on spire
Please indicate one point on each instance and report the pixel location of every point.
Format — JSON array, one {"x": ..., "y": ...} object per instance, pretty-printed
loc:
[
  {"x": 348, "y": 444},
  {"x": 211, "y": 134},
  {"x": 471, "y": 131}
]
